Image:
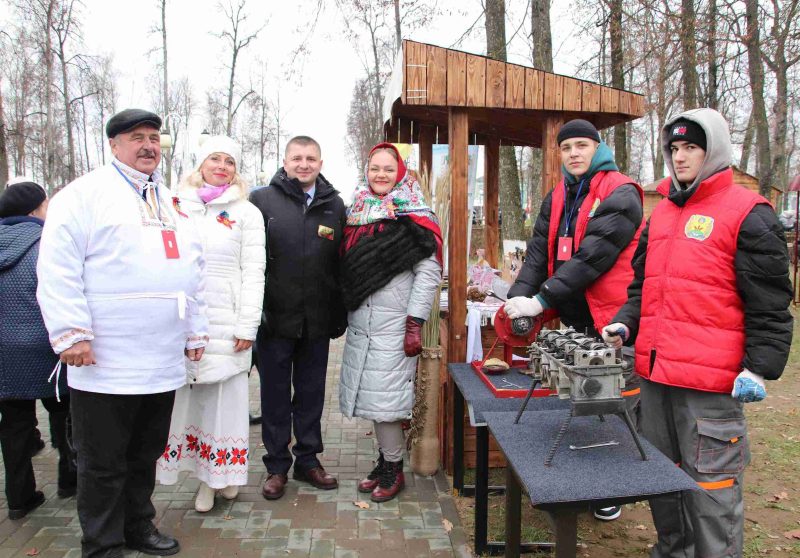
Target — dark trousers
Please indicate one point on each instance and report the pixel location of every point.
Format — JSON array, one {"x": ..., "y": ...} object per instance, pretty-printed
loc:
[
  {"x": 17, "y": 435},
  {"x": 118, "y": 438},
  {"x": 283, "y": 364}
]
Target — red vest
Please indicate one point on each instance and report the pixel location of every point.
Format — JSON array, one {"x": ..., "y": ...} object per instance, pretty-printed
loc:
[
  {"x": 691, "y": 333},
  {"x": 610, "y": 291}
]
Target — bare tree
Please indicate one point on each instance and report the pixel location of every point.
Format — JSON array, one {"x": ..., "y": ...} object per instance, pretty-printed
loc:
[
  {"x": 3, "y": 148},
  {"x": 689, "y": 53},
  {"x": 237, "y": 39},
  {"x": 618, "y": 79},
  {"x": 510, "y": 198}
]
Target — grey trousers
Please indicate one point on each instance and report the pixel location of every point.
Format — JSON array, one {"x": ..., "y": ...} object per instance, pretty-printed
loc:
[
  {"x": 390, "y": 439},
  {"x": 706, "y": 435}
]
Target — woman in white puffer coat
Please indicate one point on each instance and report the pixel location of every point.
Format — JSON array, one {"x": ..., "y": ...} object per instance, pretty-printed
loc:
[{"x": 209, "y": 433}]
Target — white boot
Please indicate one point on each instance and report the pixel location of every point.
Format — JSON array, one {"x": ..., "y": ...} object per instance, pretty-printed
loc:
[
  {"x": 205, "y": 498},
  {"x": 230, "y": 492}
]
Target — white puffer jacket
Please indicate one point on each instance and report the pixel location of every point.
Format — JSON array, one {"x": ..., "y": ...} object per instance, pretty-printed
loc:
[{"x": 233, "y": 238}]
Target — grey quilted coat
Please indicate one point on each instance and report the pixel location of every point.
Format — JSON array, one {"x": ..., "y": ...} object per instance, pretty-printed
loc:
[{"x": 377, "y": 379}]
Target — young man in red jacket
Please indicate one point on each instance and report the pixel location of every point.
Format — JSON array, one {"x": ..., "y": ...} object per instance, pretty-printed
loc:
[
  {"x": 708, "y": 310},
  {"x": 578, "y": 262}
]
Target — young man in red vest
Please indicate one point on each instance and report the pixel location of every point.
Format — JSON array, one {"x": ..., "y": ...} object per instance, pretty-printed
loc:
[
  {"x": 578, "y": 262},
  {"x": 708, "y": 309}
]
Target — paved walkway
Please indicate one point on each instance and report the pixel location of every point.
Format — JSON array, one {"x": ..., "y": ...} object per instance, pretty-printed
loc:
[{"x": 306, "y": 522}]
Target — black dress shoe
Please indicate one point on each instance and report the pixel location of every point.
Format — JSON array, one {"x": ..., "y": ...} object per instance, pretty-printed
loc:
[
  {"x": 34, "y": 502},
  {"x": 255, "y": 419},
  {"x": 152, "y": 542},
  {"x": 67, "y": 492}
]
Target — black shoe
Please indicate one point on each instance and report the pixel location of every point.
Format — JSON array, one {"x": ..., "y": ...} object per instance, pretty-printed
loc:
[
  {"x": 67, "y": 492},
  {"x": 255, "y": 419},
  {"x": 152, "y": 542},
  {"x": 608, "y": 514},
  {"x": 18, "y": 513}
]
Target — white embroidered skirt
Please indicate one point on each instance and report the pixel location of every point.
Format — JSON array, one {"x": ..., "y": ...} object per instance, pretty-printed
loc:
[{"x": 209, "y": 434}]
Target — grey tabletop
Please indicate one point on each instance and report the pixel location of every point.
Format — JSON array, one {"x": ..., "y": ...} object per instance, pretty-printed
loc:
[{"x": 615, "y": 474}]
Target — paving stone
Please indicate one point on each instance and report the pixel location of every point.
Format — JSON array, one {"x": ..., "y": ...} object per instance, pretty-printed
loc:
[{"x": 306, "y": 522}]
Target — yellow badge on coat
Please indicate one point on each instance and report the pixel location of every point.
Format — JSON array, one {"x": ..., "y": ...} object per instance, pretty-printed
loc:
[
  {"x": 595, "y": 205},
  {"x": 699, "y": 227},
  {"x": 325, "y": 232}
]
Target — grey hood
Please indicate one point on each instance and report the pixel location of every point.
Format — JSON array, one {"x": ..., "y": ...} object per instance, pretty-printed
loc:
[{"x": 719, "y": 152}]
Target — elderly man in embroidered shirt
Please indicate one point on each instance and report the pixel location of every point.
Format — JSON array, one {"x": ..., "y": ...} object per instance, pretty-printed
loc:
[{"x": 121, "y": 291}]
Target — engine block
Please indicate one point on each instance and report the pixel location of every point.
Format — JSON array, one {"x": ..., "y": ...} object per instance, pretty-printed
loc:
[{"x": 580, "y": 368}]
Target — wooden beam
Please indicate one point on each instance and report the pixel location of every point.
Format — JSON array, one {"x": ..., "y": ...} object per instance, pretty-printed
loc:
[
  {"x": 437, "y": 75},
  {"x": 457, "y": 249},
  {"x": 551, "y": 160},
  {"x": 456, "y": 78},
  {"x": 491, "y": 188},
  {"x": 426, "y": 138}
]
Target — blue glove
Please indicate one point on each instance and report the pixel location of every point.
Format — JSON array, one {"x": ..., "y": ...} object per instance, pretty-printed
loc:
[{"x": 748, "y": 387}]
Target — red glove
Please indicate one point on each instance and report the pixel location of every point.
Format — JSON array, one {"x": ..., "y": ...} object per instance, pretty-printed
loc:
[{"x": 412, "y": 342}]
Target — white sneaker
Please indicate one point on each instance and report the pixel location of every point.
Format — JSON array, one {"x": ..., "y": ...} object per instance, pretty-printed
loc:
[
  {"x": 205, "y": 498},
  {"x": 608, "y": 514},
  {"x": 230, "y": 492}
]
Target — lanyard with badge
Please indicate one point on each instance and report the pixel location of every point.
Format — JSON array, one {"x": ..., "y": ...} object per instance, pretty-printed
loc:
[
  {"x": 565, "y": 242},
  {"x": 167, "y": 236}
]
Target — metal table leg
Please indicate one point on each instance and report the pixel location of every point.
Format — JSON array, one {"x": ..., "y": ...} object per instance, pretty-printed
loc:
[
  {"x": 481, "y": 488},
  {"x": 458, "y": 440},
  {"x": 513, "y": 514}
]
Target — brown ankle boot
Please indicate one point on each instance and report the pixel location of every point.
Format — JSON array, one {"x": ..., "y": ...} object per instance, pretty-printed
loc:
[
  {"x": 368, "y": 484},
  {"x": 390, "y": 482}
]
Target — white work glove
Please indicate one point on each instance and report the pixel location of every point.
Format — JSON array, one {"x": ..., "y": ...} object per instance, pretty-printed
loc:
[
  {"x": 616, "y": 334},
  {"x": 520, "y": 306},
  {"x": 748, "y": 387}
]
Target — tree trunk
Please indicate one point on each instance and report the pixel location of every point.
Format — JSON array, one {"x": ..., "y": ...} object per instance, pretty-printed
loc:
[
  {"x": 49, "y": 156},
  {"x": 747, "y": 142},
  {"x": 398, "y": 35},
  {"x": 510, "y": 198},
  {"x": 712, "y": 99},
  {"x": 167, "y": 152},
  {"x": 3, "y": 148},
  {"x": 755, "y": 70},
  {"x": 542, "y": 36},
  {"x": 542, "y": 60},
  {"x": 689, "y": 54},
  {"x": 618, "y": 80},
  {"x": 67, "y": 113}
]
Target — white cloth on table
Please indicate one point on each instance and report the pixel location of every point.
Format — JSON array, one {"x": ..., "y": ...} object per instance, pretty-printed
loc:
[
  {"x": 209, "y": 434},
  {"x": 474, "y": 345}
]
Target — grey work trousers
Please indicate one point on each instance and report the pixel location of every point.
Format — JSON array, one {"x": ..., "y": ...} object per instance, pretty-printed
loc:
[{"x": 706, "y": 435}]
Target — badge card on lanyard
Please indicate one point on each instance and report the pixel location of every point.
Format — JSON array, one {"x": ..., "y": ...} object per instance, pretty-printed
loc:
[
  {"x": 167, "y": 235},
  {"x": 565, "y": 242}
]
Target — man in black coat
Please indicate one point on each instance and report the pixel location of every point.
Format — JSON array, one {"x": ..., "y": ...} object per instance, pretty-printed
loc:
[{"x": 304, "y": 217}]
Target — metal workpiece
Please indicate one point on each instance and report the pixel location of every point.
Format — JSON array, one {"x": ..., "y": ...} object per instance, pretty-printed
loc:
[{"x": 584, "y": 370}]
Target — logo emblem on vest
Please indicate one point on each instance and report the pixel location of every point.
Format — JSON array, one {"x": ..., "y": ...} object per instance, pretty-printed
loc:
[
  {"x": 699, "y": 227},
  {"x": 595, "y": 205}
]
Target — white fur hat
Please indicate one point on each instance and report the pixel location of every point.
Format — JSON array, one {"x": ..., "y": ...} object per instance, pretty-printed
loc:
[{"x": 219, "y": 144}]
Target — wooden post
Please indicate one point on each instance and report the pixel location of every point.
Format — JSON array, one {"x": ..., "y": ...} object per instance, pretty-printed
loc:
[
  {"x": 491, "y": 199},
  {"x": 457, "y": 250},
  {"x": 426, "y": 134},
  {"x": 551, "y": 160}
]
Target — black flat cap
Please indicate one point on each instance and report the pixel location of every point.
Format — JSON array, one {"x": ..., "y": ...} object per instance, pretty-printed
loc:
[
  {"x": 128, "y": 119},
  {"x": 20, "y": 199}
]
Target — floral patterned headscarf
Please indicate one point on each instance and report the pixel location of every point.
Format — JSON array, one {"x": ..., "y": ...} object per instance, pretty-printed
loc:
[{"x": 405, "y": 199}]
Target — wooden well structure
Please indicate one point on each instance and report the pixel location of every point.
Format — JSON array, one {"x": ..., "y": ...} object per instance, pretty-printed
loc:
[{"x": 449, "y": 96}]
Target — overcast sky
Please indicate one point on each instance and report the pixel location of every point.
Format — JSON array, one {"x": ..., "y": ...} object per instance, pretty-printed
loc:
[{"x": 317, "y": 101}]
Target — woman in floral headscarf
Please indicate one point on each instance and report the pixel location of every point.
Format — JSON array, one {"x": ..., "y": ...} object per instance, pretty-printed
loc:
[{"x": 391, "y": 268}]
